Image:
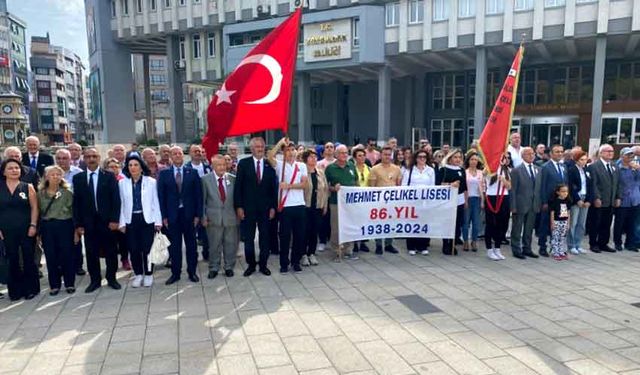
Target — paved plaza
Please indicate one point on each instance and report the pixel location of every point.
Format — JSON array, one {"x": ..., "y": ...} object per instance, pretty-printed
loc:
[{"x": 394, "y": 314}]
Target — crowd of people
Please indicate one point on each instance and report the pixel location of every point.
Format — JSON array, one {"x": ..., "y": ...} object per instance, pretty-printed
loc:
[{"x": 76, "y": 208}]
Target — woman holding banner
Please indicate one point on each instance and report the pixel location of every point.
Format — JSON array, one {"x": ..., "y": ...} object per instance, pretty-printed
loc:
[
  {"x": 497, "y": 209},
  {"x": 419, "y": 174},
  {"x": 452, "y": 174}
]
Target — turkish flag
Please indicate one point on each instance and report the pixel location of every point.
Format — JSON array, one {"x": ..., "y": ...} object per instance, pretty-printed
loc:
[
  {"x": 495, "y": 136},
  {"x": 256, "y": 96}
]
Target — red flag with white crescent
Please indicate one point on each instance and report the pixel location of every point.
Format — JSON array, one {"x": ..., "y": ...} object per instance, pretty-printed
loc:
[
  {"x": 495, "y": 136},
  {"x": 256, "y": 96}
]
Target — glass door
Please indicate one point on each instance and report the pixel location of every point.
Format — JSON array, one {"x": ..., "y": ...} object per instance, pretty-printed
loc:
[{"x": 555, "y": 134}]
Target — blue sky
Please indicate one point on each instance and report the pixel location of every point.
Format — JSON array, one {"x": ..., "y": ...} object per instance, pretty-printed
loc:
[{"x": 63, "y": 19}]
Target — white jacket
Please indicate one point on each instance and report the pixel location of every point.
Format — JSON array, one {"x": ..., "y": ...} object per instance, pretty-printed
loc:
[{"x": 150, "y": 203}]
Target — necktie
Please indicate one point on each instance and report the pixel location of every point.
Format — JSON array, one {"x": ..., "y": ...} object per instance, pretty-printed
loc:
[
  {"x": 559, "y": 170},
  {"x": 33, "y": 162},
  {"x": 223, "y": 195},
  {"x": 92, "y": 189},
  {"x": 533, "y": 176},
  {"x": 258, "y": 171},
  {"x": 609, "y": 169},
  {"x": 179, "y": 180}
]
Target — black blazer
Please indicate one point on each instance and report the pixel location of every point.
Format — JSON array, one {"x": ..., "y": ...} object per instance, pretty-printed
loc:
[
  {"x": 30, "y": 176},
  {"x": 169, "y": 197},
  {"x": 255, "y": 199},
  {"x": 107, "y": 196},
  {"x": 44, "y": 160},
  {"x": 575, "y": 184}
]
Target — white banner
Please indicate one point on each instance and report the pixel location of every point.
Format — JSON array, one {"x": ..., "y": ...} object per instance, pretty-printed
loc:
[{"x": 396, "y": 212}]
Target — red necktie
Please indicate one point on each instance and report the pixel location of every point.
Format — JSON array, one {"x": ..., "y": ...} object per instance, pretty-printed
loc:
[
  {"x": 223, "y": 195},
  {"x": 258, "y": 172}
]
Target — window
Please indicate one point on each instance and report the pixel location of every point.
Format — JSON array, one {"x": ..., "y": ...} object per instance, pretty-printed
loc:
[
  {"x": 211, "y": 45},
  {"x": 156, "y": 64},
  {"x": 466, "y": 8},
  {"x": 43, "y": 84},
  {"x": 153, "y": 4},
  {"x": 125, "y": 7},
  {"x": 317, "y": 98},
  {"x": 46, "y": 112},
  {"x": 448, "y": 91},
  {"x": 113, "y": 8},
  {"x": 553, "y": 3},
  {"x": 196, "y": 1},
  {"x": 621, "y": 129},
  {"x": 356, "y": 37},
  {"x": 197, "y": 47},
  {"x": 440, "y": 10},
  {"x": 139, "y": 6},
  {"x": 448, "y": 131},
  {"x": 158, "y": 94},
  {"x": 42, "y": 71},
  {"x": 44, "y": 99},
  {"x": 183, "y": 2},
  {"x": 523, "y": 5},
  {"x": 495, "y": 6},
  {"x": 585, "y": 1},
  {"x": 158, "y": 79},
  {"x": 416, "y": 11},
  {"x": 181, "y": 47},
  {"x": 392, "y": 14},
  {"x": 167, "y": 3}
]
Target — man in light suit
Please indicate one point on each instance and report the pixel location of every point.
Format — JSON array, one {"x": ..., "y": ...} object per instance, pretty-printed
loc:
[
  {"x": 524, "y": 179},
  {"x": 219, "y": 217},
  {"x": 552, "y": 174},
  {"x": 605, "y": 177}
]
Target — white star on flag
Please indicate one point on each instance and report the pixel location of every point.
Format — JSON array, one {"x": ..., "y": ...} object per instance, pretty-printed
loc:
[
  {"x": 224, "y": 95},
  {"x": 512, "y": 72}
]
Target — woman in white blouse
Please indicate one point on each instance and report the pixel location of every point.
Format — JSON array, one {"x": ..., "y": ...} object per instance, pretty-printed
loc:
[
  {"x": 419, "y": 174},
  {"x": 475, "y": 187}
]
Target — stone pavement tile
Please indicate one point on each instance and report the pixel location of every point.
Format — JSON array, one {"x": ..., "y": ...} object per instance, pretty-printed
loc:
[
  {"x": 355, "y": 328},
  {"x": 383, "y": 358},
  {"x": 589, "y": 367},
  {"x": 336, "y": 308},
  {"x": 631, "y": 353},
  {"x": 453, "y": 308},
  {"x": 197, "y": 358},
  {"x": 15, "y": 360},
  {"x": 160, "y": 364},
  {"x": 548, "y": 312},
  {"x": 605, "y": 339},
  {"x": 57, "y": 341},
  {"x": 305, "y": 305},
  {"x": 162, "y": 318},
  {"x": 223, "y": 313},
  {"x": 538, "y": 361},
  {"x": 415, "y": 353},
  {"x": 630, "y": 335},
  {"x": 129, "y": 333},
  {"x": 193, "y": 328},
  {"x": 343, "y": 355},
  {"x": 288, "y": 323},
  {"x": 434, "y": 368},
  {"x": 320, "y": 324},
  {"x": 506, "y": 306},
  {"x": 305, "y": 353},
  {"x": 275, "y": 304},
  {"x": 374, "y": 293},
  {"x": 508, "y": 365},
  {"x": 161, "y": 339},
  {"x": 281, "y": 370},
  {"x": 556, "y": 350},
  {"x": 366, "y": 309},
  {"x": 237, "y": 364},
  {"x": 351, "y": 295},
  {"x": 268, "y": 351},
  {"x": 598, "y": 353},
  {"x": 424, "y": 332},
  {"x": 89, "y": 348},
  {"x": 445, "y": 323},
  {"x": 256, "y": 322},
  {"x": 398, "y": 311},
  {"x": 476, "y": 345},
  {"x": 323, "y": 293},
  {"x": 530, "y": 335},
  {"x": 324, "y": 371},
  {"x": 390, "y": 331},
  {"x": 247, "y": 301},
  {"x": 504, "y": 320},
  {"x": 68, "y": 322},
  {"x": 123, "y": 358},
  {"x": 494, "y": 334},
  {"x": 458, "y": 358},
  {"x": 85, "y": 369},
  {"x": 591, "y": 318},
  {"x": 230, "y": 341},
  {"x": 542, "y": 324},
  {"x": 27, "y": 335}
]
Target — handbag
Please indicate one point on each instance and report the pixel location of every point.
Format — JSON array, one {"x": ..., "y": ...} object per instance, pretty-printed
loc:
[
  {"x": 4, "y": 264},
  {"x": 159, "y": 253}
]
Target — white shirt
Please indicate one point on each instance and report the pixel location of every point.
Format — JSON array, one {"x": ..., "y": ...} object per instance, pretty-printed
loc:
[
  {"x": 68, "y": 175},
  {"x": 176, "y": 169},
  {"x": 255, "y": 166},
  {"x": 426, "y": 177},
  {"x": 199, "y": 168},
  {"x": 217, "y": 179},
  {"x": 324, "y": 163},
  {"x": 583, "y": 182},
  {"x": 492, "y": 189},
  {"x": 533, "y": 168},
  {"x": 294, "y": 197},
  {"x": 515, "y": 155},
  {"x": 96, "y": 173},
  {"x": 559, "y": 165}
]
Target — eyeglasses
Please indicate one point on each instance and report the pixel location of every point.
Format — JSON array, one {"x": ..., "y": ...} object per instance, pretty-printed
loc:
[{"x": 422, "y": 156}]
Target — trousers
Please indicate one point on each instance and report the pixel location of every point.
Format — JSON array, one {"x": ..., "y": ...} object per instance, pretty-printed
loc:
[
  {"x": 140, "y": 236},
  {"x": 292, "y": 223},
  {"x": 60, "y": 252}
]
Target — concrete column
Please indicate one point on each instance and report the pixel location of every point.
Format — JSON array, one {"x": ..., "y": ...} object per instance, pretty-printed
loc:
[
  {"x": 160, "y": 10},
  {"x": 426, "y": 25},
  {"x": 237, "y": 6},
  {"x": 507, "y": 22},
  {"x": 569, "y": 18},
  {"x": 176, "y": 105},
  {"x": 174, "y": 15},
  {"x": 479, "y": 111},
  {"x": 221, "y": 12},
  {"x": 419, "y": 103},
  {"x": 384, "y": 103},
  {"x": 119, "y": 19},
  {"x": 204, "y": 52},
  {"x": 150, "y": 128},
  {"x": 145, "y": 16},
  {"x": 453, "y": 24},
  {"x": 336, "y": 129},
  {"x": 635, "y": 17},
  {"x": 205, "y": 13},
  {"x": 480, "y": 27},
  {"x": 189, "y": 14},
  {"x": 409, "y": 100},
  {"x": 274, "y": 7},
  {"x": 188, "y": 56},
  {"x": 403, "y": 36},
  {"x": 133, "y": 11},
  {"x": 304, "y": 108},
  {"x": 538, "y": 19},
  {"x": 603, "y": 16},
  {"x": 598, "y": 91}
]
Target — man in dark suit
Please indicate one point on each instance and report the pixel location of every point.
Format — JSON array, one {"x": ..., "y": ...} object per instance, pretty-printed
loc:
[
  {"x": 255, "y": 199},
  {"x": 524, "y": 179},
  {"x": 604, "y": 176},
  {"x": 552, "y": 174},
  {"x": 29, "y": 175},
  {"x": 34, "y": 158},
  {"x": 180, "y": 195},
  {"x": 199, "y": 164},
  {"x": 96, "y": 213}
]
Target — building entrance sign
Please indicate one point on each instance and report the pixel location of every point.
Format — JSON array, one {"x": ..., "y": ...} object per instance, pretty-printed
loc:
[{"x": 330, "y": 40}]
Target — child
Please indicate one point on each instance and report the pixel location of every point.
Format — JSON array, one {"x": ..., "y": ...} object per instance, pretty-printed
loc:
[{"x": 559, "y": 207}]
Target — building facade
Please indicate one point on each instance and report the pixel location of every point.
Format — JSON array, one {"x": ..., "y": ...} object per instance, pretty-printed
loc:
[
  {"x": 13, "y": 55},
  {"x": 58, "y": 106},
  {"x": 411, "y": 68},
  {"x": 152, "y": 116}
]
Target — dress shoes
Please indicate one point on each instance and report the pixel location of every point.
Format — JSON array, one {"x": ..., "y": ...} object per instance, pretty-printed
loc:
[
  {"x": 194, "y": 278},
  {"x": 364, "y": 248},
  {"x": 378, "y": 250},
  {"x": 228, "y": 273},
  {"x": 607, "y": 249},
  {"x": 249, "y": 271},
  {"x": 114, "y": 285},
  {"x": 172, "y": 280},
  {"x": 595, "y": 249},
  {"x": 265, "y": 271},
  {"x": 619, "y": 247},
  {"x": 212, "y": 275},
  {"x": 531, "y": 255},
  {"x": 519, "y": 256},
  {"x": 81, "y": 272},
  {"x": 390, "y": 249},
  {"x": 92, "y": 287},
  {"x": 544, "y": 253}
]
